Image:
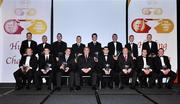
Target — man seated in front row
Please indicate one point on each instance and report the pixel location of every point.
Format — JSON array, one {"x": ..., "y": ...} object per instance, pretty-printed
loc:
[
  {"x": 86, "y": 68},
  {"x": 27, "y": 67},
  {"x": 126, "y": 68},
  {"x": 66, "y": 65},
  {"x": 145, "y": 70},
  {"x": 164, "y": 69},
  {"x": 46, "y": 67},
  {"x": 106, "y": 65}
]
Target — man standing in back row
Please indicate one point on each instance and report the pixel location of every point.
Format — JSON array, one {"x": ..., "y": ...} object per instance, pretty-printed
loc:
[
  {"x": 150, "y": 46},
  {"x": 59, "y": 47},
  {"x": 28, "y": 43}
]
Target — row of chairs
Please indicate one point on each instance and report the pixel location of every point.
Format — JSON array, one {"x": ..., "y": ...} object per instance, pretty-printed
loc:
[{"x": 165, "y": 80}]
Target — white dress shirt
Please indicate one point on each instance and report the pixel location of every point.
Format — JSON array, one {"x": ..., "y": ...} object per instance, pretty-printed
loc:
[
  {"x": 150, "y": 44},
  {"x": 29, "y": 43},
  {"x": 162, "y": 61},
  {"x": 44, "y": 44},
  {"x": 46, "y": 57},
  {"x": 145, "y": 62},
  {"x": 27, "y": 62},
  {"x": 115, "y": 50}
]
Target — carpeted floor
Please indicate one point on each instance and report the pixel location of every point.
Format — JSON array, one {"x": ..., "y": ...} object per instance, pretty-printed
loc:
[{"x": 88, "y": 96}]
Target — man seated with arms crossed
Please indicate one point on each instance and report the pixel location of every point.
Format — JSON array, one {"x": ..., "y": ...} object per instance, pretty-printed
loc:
[
  {"x": 86, "y": 68},
  {"x": 66, "y": 65},
  {"x": 126, "y": 68},
  {"x": 163, "y": 68},
  {"x": 27, "y": 67},
  {"x": 145, "y": 70},
  {"x": 46, "y": 66},
  {"x": 106, "y": 65}
]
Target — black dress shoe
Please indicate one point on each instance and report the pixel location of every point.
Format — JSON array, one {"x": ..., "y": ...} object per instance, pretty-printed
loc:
[
  {"x": 94, "y": 88},
  {"x": 121, "y": 87},
  {"x": 71, "y": 88},
  {"x": 143, "y": 86},
  {"x": 18, "y": 88},
  {"x": 132, "y": 87},
  {"x": 159, "y": 86},
  {"x": 110, "y": 86},
  {"x": 168, "y": 86},
  {"x": 58, "y": 88},
  {"x": 49, "y": 88},
  {"x": 38, "y": 88},
  {"x": 78, "y": 88},
  {"x": 27, "y": 87}
]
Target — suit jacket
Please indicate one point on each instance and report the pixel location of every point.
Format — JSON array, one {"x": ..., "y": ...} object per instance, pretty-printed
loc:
[
  {"x": 58, "y": 47},
  {"x": 134, "y": 50},
  {"x": 43, "y": 62},
  {"x": 33, "y": 62},
  {"x": 140, "y": 63},
  {"x": 70, "y": 62},
  {"x": 24, "y": 46},
  {"x": 103, "y": 62},
  {"x": 122, "y": 62},
  {"x": 153, "y": 49},
  {"x": 40, "y": 48},
  {"x": 95, "y": 48},
  {"x": 158, "y": 63},
  {"x": 77, "y": 49},
  {"x": 111, "y": 47},
  {"x": 85, "y": 63}
]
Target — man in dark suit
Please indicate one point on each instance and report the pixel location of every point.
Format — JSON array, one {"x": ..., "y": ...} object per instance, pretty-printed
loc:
[
  {"x": 106, "y": 63},
  {"x": 59, "y": 47},
  {"x": 132, "y": 47},
  {"x": 145, "y": 70},
  {"x": 94, "y": 46},
  {"x": 27, "y": 67},
  {"x": 86, "y": 68},
  {"x": 65, "y": 67},
  {"x": 126, "y": 68},
  {"x": 77, "y": 48},
  {"x": 150, "y": 46},
  {"x": 47, "y": 64},
  {"x": 95, "y": 50},
  {"x": 115, "y": 47},
  {"x": 163, "y": 67},
  {"x": 44, "y": 44},
  {"x": 28, "y": 43}
]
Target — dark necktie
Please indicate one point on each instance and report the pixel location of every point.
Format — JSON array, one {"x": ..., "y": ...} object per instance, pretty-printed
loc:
[{"x": 125, "y": 58}]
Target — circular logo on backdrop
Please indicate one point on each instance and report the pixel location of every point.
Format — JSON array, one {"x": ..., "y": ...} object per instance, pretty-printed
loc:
[
  {"x": 139, "y": 26},
  {"x": 12, "y": 26},
  {"x": 1, "y": 2},
  {"x": 25, "y": 11}
]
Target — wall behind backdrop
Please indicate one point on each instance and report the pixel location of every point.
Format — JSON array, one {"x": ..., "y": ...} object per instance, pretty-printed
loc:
[{"x": 82, "y": 17}]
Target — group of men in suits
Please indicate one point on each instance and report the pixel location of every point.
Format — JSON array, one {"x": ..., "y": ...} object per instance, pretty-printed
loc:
[{"x": 56, "y": 60}]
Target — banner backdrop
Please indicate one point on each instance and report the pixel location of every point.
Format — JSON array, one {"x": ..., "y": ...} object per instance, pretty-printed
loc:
[
  {"x": 17, "y": 17},
  {"x": 159, "y": 18}
]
